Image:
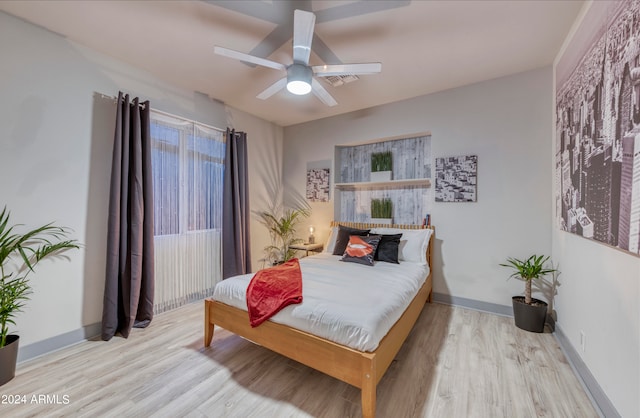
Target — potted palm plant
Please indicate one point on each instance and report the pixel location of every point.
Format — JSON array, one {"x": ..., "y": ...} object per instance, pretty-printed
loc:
[
  {"x": 19, "y": 254},
  {"x": 282, "y": 229},
  {"x": 529, "y": 313}
]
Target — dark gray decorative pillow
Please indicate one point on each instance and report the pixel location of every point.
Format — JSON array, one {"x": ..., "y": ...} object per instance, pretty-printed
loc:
[
  {"x": 343, "y": 238},
  {"x": 361, "y": 249},
  {"x": 388, "y": 248}
]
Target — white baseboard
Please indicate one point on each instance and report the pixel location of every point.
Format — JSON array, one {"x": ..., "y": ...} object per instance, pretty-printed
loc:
[
  {"x": 595, "y": 392},
  {"x": 31, "y": 351},
  {"x": 477, "y": 305}
]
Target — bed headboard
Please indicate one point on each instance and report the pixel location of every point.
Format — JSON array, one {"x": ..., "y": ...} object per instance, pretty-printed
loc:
[{"x": 359, "y": 225}]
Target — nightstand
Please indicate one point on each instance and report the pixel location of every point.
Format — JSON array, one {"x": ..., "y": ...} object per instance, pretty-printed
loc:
[{"x": 307, "y": 247}]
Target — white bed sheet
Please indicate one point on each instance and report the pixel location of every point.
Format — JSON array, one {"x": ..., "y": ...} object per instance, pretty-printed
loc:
[{"x": 348, "y": 303}]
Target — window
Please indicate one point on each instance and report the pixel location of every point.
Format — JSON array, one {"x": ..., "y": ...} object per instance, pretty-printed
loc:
[
  {"x": 188, "y": 169},
  {"x": 191, "y": 155}
]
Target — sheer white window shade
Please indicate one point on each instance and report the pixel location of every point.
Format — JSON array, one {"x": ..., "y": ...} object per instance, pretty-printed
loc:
[{"x": 188, "y": 167}]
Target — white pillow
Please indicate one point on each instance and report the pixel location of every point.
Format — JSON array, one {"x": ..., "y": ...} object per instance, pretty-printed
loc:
[
  {"x": 413, "y": 244},
  {"x": 331, "y": 241}
]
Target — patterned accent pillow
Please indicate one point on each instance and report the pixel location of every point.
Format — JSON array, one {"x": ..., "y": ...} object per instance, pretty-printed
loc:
[{"x": 361, "y": 249}]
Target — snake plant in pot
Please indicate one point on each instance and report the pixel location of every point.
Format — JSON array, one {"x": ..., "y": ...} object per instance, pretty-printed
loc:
[
  {"x": 19, "y": 254},
  {"x": 529, "y": 313}
]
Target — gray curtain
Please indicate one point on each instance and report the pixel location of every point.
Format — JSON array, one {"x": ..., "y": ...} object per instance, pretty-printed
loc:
[
  {"x": 236, "y": 256},
  {"x": 129, "y": 284}
]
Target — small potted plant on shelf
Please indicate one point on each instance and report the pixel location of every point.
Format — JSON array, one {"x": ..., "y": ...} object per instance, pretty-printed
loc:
[
  {"x": 529, "y": 313},
  {"x": 381, "y": 211},
  {"x": 282, "y": 230},
  {"x": 381, "y": 166},
  {"x": 19, "y": 254}
]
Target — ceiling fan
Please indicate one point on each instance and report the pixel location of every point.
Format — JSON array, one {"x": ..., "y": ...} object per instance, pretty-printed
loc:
[{"x": 300, "y": 75}]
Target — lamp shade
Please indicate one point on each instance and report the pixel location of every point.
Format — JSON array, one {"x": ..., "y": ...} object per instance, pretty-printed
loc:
[{"x": 299, "y": 79}]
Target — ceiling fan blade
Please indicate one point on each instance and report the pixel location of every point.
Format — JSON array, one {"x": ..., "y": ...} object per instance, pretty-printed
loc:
[
  {"x": 343, "y": 69},
  {"x": 357, "y": 8},
  {"x": 323, "y": 51},
  {"x": 322, "y": 94},
  {"x": 303, "y": 23},
  {"x": 273, "y": 89},
  {"x": 226, "y": 52},
  {"x": 260, "y": 10}
]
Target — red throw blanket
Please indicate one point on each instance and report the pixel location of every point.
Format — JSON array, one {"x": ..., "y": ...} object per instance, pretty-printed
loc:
[{"x": 272, "y": 289}]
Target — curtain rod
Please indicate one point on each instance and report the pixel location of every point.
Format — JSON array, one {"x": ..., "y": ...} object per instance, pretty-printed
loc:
[{"x": 115, "y": 98}]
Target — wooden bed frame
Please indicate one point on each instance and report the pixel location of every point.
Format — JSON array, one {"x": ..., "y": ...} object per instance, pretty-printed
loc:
[{"x": 360, "y": 369}]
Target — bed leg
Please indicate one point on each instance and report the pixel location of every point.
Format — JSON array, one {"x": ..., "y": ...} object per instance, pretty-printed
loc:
[
  {"x": 368, "y": 390},
  {"x": 208, "y": 325}
]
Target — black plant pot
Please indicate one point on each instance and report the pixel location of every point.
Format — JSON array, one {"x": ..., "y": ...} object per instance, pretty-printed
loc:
[
  {"x": 8, "y": 359},
  {"x": 529, "y": 317}
]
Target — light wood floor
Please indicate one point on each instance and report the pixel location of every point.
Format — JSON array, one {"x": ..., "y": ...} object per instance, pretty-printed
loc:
[{"x": 456, "y": 363}]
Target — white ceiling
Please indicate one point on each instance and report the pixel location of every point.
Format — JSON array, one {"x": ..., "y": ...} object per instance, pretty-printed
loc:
[{"x": 424, "y": 46}]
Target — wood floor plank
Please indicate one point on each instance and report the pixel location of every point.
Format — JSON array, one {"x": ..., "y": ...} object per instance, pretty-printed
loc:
[{"x": 455, "y": 363}]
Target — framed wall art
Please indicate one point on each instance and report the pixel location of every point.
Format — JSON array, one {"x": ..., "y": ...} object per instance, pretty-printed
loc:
[
  {"x": 456, "y": 178},
  {"x": 318, "y": 184}
]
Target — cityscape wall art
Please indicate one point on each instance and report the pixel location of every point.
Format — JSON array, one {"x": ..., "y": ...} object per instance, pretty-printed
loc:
[
  {"x": 456, "y": 178},
  {"x": 598, "y": 127}
]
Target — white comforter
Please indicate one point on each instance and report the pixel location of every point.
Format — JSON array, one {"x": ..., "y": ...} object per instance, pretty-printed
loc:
[{"x": 348, "y": 303}]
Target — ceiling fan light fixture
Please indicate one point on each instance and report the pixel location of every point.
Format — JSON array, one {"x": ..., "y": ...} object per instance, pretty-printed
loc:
[
  {"x": 298, "y": 87},
  {"x": 299, "y": 79}
]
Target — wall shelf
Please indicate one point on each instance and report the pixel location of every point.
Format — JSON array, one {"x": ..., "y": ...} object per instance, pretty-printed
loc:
[
  {"x": 409, "y": 193},
  {"x": 394, "y": 184}
]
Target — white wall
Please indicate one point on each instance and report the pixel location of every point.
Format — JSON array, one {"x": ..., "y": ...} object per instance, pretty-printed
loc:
[
  {"x": 506, "y": 123},
  {"x": 600, "y": 296},
  {"x": 56, "y": 139}
]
